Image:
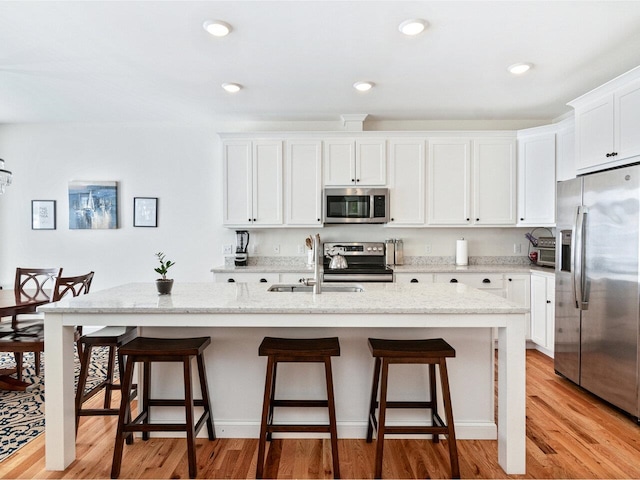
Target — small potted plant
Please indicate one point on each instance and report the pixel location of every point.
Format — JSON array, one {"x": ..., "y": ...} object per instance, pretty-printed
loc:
[{"x": 164, "y": 284}]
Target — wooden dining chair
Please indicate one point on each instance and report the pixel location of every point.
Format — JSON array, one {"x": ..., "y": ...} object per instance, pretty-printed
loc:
[
  {"x": 29, "y": 284},
  {"x": 27, "y": 334}
]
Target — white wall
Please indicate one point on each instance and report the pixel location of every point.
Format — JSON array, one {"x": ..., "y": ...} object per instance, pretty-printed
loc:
[{"x": 181, "y": 165}]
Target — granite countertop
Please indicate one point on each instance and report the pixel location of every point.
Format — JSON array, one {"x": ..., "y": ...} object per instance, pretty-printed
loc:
[
  {"x": 247, "y": 298},
  {"x": 435, "y": 268}
]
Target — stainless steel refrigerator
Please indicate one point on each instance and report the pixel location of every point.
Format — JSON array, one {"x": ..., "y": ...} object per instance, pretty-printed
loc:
[{"x": 597, "y": 326}]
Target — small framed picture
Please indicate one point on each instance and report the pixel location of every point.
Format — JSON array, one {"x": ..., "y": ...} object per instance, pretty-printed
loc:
[
  {"x": 145, "y": 212},
  {"x": 43, "y": 214}
]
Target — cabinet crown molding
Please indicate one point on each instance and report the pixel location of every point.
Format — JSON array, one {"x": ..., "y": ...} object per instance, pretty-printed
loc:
[{"x": 607, "y": 88}]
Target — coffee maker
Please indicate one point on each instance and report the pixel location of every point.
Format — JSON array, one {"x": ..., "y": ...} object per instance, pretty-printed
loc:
[{"x": 242, "y": 248}]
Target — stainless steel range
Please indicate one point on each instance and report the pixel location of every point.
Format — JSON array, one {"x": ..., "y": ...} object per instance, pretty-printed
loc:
[{"x": 365, "y": 262}]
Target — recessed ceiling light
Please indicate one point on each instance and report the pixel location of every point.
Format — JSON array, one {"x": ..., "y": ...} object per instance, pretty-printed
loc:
[
  {"x": 519, "y": 68},
  {"x": 363, "y": 86},
  {"x": 413, "y": 26},
  {"x": 232, "y": 87},
  {"x": 217, "y": 28}
]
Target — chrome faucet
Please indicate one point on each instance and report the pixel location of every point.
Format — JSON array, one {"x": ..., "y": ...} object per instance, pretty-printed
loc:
[{"x": 316, "y": 281}]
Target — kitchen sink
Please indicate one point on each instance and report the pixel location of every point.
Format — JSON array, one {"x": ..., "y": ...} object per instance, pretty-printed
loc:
[{"x": 298, "y": 287}]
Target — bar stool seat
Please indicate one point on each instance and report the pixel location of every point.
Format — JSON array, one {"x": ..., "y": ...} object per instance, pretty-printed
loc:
[
  {"x": 428, "y": 351},
  {"x": 316, "y": 350},
  {"x": 113, "y": 338},
  {"x": 147, "y": 350}
]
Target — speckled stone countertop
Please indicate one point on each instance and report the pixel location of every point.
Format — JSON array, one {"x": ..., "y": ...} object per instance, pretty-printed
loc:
[
  {"x": 253, "y": 298},
  {"x": 437, "y": 268}
]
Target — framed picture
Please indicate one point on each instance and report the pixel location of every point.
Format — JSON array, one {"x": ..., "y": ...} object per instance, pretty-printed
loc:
[
  {"x": 93, "y": 205},
  {"x": 43, "y": 214},
  {"x": 145, "y": 212}
]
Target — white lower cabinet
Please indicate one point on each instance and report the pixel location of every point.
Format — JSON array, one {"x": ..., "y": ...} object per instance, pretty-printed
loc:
[
  {"x": 414, "y": 277},
  {"x": 247, "y": 277},
  {"x": 489, "y": 282},
  {"x": 543, "y": 310}
]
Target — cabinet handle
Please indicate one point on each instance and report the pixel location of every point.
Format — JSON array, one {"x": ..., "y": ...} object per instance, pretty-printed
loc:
[
  {"x": 510, "y": 279},
  {"x": 608, "y": 155},
  {"x": 231, "y": 280},
  {"x": 521, "y": 219},
  {"x": 548, "y": 301},
  {"x": 468, "y": 219},
  {"x": 612, "y": 154},
  {"x": 353, "y": 179},
  {"x": 357, "y": 180},
  {"x": 453, "y": 280},
  {"x": 254, "y": 219},
  {"x": 477, "y": 219},
  {"x": 414, "y": 280},
  {"x": 318, "y": 219},
  {"x": 392, "y": 219},
  {"x": 486, "y": 280},
  {"x": 263, "y": 280}
]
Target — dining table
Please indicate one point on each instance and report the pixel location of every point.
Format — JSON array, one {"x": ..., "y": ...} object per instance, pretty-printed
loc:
[{"x": 15, "y": 303}]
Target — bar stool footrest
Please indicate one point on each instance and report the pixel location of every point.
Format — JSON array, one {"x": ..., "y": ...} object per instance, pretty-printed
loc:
[
  {"x": 300, "y": 403},
  {"x": 299, "y": 428}
]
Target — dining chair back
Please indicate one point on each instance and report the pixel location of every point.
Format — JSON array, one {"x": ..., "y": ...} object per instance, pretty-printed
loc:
[
  {"x": 78, "y": 285},
  {"x": 35, "y": 282}
]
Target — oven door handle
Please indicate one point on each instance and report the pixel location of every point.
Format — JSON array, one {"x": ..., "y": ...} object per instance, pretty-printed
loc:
[{"x": 346, "y": 277}]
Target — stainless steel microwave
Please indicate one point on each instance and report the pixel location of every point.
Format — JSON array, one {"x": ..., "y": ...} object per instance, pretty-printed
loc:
[{"x": 356, "y": 205}]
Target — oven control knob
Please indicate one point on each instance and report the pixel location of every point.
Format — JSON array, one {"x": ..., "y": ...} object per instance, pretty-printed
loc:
[{"x": 368, "y": 249}]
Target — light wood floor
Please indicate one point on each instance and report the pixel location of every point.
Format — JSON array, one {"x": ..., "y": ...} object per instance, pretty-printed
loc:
[{"x": 570, "y": 434}]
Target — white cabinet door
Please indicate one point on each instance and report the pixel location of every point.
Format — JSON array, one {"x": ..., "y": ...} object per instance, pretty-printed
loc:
[
  {"x": 339, "y": 162},
  {"x": 371, "y": 164},
  {"x": 543, "y": 310},
  {"x": 449, "y": 181},
  {"x": 266, "y": 278},
  {"x": 303, "y": 183},
  {"x": 565, "y": 152},
  {"x": 607, "y": 127},
  {"x": 407, "y": 182},
  {"x": 350, "y": 162},
  {"x": 627, "y": 121},
  {"x": 539, "y": 310},
  {"x": 238, "y": 182},
  {"x": 267, "y": 183},
  {"x": 252, "y": 187},
  {"x": 536, "y": 180},
  {"x": 494, "y": 182},
  {"x": 413, "y": 278},
  {"x": 594, "y": 130}
]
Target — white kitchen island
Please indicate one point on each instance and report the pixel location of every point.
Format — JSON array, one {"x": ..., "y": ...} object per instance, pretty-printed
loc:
[{"x": 237, "y": 316}]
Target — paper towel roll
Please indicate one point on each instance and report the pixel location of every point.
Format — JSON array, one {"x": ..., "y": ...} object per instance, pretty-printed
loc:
[{"x": 462, "y": 252}]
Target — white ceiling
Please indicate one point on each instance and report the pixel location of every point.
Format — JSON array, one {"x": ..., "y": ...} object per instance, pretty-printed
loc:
[{"x": 297, "y": 60}]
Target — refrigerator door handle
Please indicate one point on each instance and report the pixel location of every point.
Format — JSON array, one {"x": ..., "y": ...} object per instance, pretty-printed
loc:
[{"x": 579, "y": 258}]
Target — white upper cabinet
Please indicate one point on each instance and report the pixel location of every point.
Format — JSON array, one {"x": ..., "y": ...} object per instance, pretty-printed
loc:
[
  {"x": 536, "y": 178},
  {"x": 494, "y": 181},
  {"x": 607, "y": 124},
  {"x": 472, "y": 182},
  {"x": 565, "y": 150},
  {"x": 350, "y": 162},
  {"x": 449, "y": 181},
  {"x": 303, "y": 185},
  {"x": 407, "y": 182},
  {"x": 252, "y": 183}
]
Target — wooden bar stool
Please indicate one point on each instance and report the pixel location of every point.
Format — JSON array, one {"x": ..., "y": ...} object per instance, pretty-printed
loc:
[
  {"x": 146, "y": 351},
  {"x": 112, "y": 338},
  {"x": 432, "y": 352},
  {"x": 318, "y": 350}
]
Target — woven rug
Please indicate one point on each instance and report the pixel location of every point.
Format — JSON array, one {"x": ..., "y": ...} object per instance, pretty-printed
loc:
[{"x": 22, "y": 413}]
